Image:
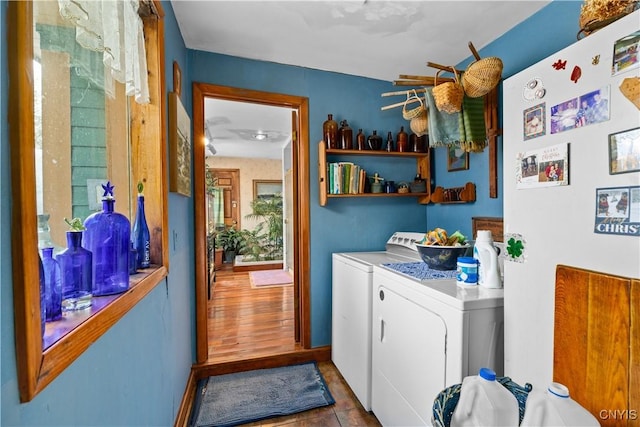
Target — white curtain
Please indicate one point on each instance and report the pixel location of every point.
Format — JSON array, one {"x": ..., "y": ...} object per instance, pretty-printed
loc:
[{"x": 114, "y": 28}]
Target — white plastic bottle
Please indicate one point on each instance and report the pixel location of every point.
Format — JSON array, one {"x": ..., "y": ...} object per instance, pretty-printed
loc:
[
  {"x": 486, "y": 254},
  {"x": 485, "y": 402},
  {"x": 554, "y": 407}
]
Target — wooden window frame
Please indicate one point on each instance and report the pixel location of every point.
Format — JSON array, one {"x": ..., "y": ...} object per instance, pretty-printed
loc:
[{"x": 36, "y": 367}]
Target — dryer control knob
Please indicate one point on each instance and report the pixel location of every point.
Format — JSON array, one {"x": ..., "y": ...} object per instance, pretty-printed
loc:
[{"x": 381, "y": 295}]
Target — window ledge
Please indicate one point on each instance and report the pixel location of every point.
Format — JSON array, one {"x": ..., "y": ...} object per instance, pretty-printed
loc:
[{"x": 66, "y": 339}]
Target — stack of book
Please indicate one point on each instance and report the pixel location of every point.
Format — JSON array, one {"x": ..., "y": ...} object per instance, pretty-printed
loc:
[{"x": 345, "y": 178}]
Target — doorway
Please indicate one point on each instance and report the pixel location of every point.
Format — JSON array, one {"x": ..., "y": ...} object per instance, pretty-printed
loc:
[{"x": 299, "y": 195}]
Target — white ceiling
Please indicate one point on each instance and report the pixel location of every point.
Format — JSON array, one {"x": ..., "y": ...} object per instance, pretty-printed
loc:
[{"x": 370, "y": 38}]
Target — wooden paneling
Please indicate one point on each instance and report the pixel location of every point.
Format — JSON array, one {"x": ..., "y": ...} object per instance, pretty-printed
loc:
[{"x": 595, "y": 327}]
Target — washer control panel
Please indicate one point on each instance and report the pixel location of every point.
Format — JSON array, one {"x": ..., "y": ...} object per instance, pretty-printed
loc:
[{"x": 403, "y": 240}]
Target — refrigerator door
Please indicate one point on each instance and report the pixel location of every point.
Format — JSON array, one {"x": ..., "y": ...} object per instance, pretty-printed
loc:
[{"x": 555, "y": 223}]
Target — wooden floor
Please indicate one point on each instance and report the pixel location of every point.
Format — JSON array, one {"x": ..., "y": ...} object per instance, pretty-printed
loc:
[{"x": 246, "y": 322}]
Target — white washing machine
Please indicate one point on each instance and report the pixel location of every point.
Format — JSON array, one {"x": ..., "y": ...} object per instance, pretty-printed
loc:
[
  {"x": 428, "y": 335},
  {"x": 352, "y": 290}
]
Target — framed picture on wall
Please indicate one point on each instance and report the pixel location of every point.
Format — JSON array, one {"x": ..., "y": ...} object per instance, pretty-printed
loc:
[
  {"x": 457, "y": 159},
  {"x": 179, "y": 147},
  {"x": 266, "y": 188},
  {"x": 624, "y": 151}
]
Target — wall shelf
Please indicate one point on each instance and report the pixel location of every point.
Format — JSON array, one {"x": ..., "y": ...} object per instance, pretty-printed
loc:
[
  {"x": 455, "y": 195},
  {"x": 422, "y": 163}
]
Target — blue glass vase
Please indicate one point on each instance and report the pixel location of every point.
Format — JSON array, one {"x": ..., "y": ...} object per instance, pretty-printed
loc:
[
  {"x": 53, "y": 286},
  {"x": 107, "y": 236},
  {"x": 75, "y": 269},
  {"x": 141, "y": 238}
]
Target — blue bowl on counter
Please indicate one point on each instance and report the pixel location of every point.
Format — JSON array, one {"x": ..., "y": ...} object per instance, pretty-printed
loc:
[{"x": 442, "y": 257}]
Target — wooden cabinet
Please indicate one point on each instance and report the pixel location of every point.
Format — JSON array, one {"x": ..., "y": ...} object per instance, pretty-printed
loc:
[{"x": 422, "y": 163}]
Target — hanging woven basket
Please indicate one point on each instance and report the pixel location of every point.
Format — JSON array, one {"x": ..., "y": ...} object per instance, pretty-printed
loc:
[
  {"x": 482, "y": 76},
  {"x": 416, "y": 111},
  {"x": 420, "y": 124},
  {"x": 448, "y": 96}
]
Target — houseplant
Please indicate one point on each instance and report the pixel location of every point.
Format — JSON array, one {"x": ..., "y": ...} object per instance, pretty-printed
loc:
[
  {"x": 265, "y": 242},
  {"x": 232, "y": 242}
]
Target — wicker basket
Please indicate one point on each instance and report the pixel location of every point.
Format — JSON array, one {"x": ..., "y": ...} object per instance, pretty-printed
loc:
[
  {"x": 596, "y": 14},
  {"x": 448, "y": 96},
  {"x": 482, "y": 76},
  {"x": 414, "y": 112},
  {"x": 420, "y": 124}
]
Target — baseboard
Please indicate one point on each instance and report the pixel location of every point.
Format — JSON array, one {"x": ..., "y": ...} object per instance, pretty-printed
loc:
[{"x": 184, "y": 411}]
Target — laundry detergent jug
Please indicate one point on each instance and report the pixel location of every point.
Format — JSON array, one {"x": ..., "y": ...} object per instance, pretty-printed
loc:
[
  {"x": 487, "y": 255},
  {"x": 554, "y": 407},
  {"x": 485, "y": 402}
]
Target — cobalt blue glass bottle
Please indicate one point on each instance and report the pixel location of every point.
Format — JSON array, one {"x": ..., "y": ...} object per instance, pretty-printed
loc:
[
  {"x": 106, "y": 235},
  {"x": 140, "y": 236},
  {"x": 53, "y": 285},
  {"x": 75, "y": 268}
]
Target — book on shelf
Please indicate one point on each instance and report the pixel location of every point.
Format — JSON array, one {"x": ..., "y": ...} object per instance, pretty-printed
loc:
[{"x": 345, "y": 178}]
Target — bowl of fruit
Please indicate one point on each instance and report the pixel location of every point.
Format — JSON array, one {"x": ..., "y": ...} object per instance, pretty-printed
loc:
[{"x": 441, "y": 251}]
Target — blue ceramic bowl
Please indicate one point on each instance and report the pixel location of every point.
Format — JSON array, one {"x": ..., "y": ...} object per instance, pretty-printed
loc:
[{"x": 442, "y": 257}]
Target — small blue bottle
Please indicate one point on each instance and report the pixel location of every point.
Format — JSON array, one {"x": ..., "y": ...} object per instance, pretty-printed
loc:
[
  {"x": 53, "y": 286},
  {"x": 140, "y": 236},
  {"x": 107, "y": 236},
  {"x": 75, "y": 268}
]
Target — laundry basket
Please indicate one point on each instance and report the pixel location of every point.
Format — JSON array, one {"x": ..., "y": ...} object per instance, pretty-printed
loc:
[{"x": 446, "y": 401}]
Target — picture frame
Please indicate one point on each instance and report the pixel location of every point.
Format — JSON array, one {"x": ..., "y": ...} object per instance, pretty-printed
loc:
[
  {"x": 177, "y": 79},
  {"x": 626, "y": 53},
  {"x": 624, "y": 151},
  {"x": 179, "y": 147},
  {"x": 266, "y": 188},
  {"x": 534, "y": 121},
  {"x": 457, "y": 159}
]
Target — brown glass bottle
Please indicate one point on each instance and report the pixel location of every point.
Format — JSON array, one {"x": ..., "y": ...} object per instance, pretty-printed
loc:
[
  {"x": 374, "y": 141},
  {"x": 330, "y": 132},
  {"x": 345, "y": 136},
  {"x": 389, "y": 146},
  {"x": 402, "y": 143},
  {"x": 361, "y": 141}
]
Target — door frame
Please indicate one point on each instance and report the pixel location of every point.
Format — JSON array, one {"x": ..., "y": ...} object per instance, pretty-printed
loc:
[{"x": 300, "y": 162}]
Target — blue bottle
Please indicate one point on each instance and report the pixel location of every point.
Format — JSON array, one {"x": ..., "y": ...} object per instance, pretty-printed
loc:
[
  {"x": 75, "y": 268},
  {"x": 53, "y": 286},
  {"x": 140, "y": 236},
  {"x": 106, "y": 236}
]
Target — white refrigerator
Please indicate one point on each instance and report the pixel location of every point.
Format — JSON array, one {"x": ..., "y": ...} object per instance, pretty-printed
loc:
[{"x": 571, "y": 183}]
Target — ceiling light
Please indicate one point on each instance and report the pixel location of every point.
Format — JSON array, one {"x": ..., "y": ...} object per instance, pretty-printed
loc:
[{"x": 260, "y": 136}]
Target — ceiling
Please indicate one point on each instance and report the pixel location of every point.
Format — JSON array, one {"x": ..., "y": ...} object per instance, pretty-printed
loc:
[{"x": 370, "y": 38}]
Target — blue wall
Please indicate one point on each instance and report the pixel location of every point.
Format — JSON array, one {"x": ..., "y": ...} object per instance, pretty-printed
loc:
[{"x": 136, "y": 373}]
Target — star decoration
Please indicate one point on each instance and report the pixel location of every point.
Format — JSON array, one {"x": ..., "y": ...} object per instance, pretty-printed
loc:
[
  {"x": 559, "y": 64},
  {"x": 108, "y": 190}
]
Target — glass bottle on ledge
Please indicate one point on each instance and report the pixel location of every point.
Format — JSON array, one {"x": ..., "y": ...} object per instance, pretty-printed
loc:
[
  {"x": 75, "y": 269},
  {"x": 140, "y": 236},
  {"x": 53, "y": 286},
  {"x": 107, "y": 235}
]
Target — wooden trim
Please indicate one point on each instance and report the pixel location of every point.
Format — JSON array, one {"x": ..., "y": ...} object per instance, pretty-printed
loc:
[
  {"x": 188, "y": 398},
  {"x": 301, "y": 201},
  {"x": 318, "y": 354}
]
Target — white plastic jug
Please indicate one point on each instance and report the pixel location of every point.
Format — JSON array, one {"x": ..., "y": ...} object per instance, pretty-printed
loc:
[
  {"x": 487, "y": 255},
  {"x": 554, "y": 407},
  {"x": 485, "y": 402}
]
